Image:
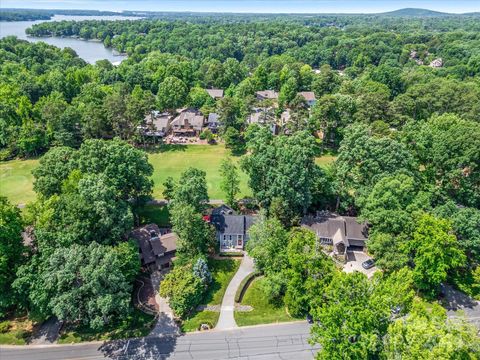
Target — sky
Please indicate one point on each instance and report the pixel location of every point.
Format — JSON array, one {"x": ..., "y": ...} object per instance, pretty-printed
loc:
[{"x": 259, "y": 6}]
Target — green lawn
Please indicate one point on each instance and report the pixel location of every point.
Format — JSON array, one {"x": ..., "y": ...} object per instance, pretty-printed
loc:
[
  {"x": 138, "y": 324},
  {"x": 174, "y": 159},
  {"x": 222, "y": 273},
  {"x": 16, "y": 179},
  {"x": 263, "y": 311},
  {"x": 157, "y": 214}
]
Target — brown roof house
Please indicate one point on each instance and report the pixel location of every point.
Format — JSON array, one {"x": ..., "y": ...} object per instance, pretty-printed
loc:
[
  {"x": 189, "y": 122},
  {"x": 157, "y": 250},
  {"x": 343, "y": 232},
  {"x": 309, "y": 97},
  {"x": 215, "y": 93},
  {"x": 267, "y": 95}
]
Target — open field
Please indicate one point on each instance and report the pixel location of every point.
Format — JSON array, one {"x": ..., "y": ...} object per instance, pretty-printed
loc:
[{"x": 16, "y": 179}]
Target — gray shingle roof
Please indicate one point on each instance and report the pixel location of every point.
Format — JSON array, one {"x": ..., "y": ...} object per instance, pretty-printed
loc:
[{"x": 233, "y": 224}]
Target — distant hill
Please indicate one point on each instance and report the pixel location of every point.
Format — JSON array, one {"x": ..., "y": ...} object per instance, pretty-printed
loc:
[{"x": 415, "y": 12}]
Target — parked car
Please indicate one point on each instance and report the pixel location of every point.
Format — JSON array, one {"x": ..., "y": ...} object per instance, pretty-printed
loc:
[
  {"x": 368, "y": 264},
  {"x": 309, "y": 319}
]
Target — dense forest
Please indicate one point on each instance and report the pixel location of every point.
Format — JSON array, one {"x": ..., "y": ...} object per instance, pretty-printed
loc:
[{"x": 397, "y": 104}]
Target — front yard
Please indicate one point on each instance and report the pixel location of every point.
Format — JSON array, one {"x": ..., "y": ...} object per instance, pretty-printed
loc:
[
  {"x": 222, "y": 273},
  {"x": 15, "y": 331},
  {"x": 263, "y": 311},
  {"x": 136, "y": 325}
]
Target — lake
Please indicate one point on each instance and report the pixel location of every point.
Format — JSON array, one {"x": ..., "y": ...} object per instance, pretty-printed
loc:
[{"x": 90, "y": 51}]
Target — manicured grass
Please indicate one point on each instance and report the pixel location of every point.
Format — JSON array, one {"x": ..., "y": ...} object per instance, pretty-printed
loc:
[
  {"x": 222, "y": 272},
  {"x": 263, "y": 311},
  {"x": 172, "y": 160},
  {"x": 16, "y": 331},
  {"x": 16, "y": 180},
  {"x": 138, "y": 324},
  {"x": 198, "y": 318},
  {"x": 157, "y": 214}
]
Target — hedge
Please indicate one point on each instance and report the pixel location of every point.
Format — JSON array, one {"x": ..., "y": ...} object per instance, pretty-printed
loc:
[{"x": 244, "y": 285}]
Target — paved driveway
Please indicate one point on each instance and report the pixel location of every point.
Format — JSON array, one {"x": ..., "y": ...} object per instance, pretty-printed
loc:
[
  {"x": 354, "y": 263},
  {"x": 455, "y": 301},
  {"x": 166, "y": 324},
  {"x": 226, "y": 320}
]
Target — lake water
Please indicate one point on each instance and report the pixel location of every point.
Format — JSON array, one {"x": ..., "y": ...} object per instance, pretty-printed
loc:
[{"x": 90, "y": 51}]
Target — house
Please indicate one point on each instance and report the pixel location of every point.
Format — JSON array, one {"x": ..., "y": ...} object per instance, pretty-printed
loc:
[
  {"x": 213, "y": 122},
  {"x": 345, "y": 233},
  {"x": 232, "y": 229},
  {"x": 157, "y": 250},
  {"x": 437, "y": 63},
  {"x": 189, "y": 122},
  {"x": 215, "y": 93},
  {"x": 156, "y": 123},
  {"x": 309, "y": 97},
  {"x": 267, "y": 95},
  {"x": 263, "y": 117}
]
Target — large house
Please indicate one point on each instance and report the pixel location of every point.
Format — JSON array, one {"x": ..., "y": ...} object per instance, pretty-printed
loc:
[
  {"x": 215, "y": 93},
  {"x": 157, "y": 250},
  {"x": 263, "y": 116},
  {"x": 189, "y": 122},
  {"x": 232, "y": 229},
  {"x": 345, "y": 233},
  {"x": 267, "y": 95},
  {"x": 157, "y": 124}
]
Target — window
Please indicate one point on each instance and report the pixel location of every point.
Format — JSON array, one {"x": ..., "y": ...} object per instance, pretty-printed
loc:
[{"x": 239, "y": 242}]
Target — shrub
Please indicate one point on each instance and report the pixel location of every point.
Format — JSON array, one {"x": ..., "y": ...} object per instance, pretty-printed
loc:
[{"x": 4, "y": 326}]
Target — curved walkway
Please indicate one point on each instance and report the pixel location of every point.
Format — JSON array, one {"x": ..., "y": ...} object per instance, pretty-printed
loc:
[{"x": 226, "y": 320}]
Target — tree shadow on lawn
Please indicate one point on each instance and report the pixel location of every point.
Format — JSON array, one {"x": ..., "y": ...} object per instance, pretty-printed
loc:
[{"x": 166, "y": 148}]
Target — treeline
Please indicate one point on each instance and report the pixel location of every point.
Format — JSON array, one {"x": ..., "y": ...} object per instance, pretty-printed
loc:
[
  {"x": 43, "y": 14},
  {"x": 52, "y": 97}
]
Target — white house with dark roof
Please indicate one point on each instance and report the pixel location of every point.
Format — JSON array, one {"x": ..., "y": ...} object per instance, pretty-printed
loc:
[
  {"x": 343, "y": 232},
  {"x": 232, "y": 229},
  {"x": 213, "y": 122}
]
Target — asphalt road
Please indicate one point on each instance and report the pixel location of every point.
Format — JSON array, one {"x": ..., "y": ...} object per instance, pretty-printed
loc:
[{"x": 282, "y": 341}]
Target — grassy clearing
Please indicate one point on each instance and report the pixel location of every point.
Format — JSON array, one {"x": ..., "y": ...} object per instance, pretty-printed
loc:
[
  {"x": 154, "y": 214},
  {"x": 263, "y": 311},
  {"x": 16, "y": 179},
  {"x": 15, "y": 331},
  {"x": 136, "y": 325},
  {"x": 222, "y": 273}
]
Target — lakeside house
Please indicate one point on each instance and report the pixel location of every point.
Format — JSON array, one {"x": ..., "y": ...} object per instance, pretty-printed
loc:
[
  {"x": 344, "y": 233},
  {"x": 189, "y": 122},
  {"x": 157, "y": 250},
  {"x": 156, "y": 124}
]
